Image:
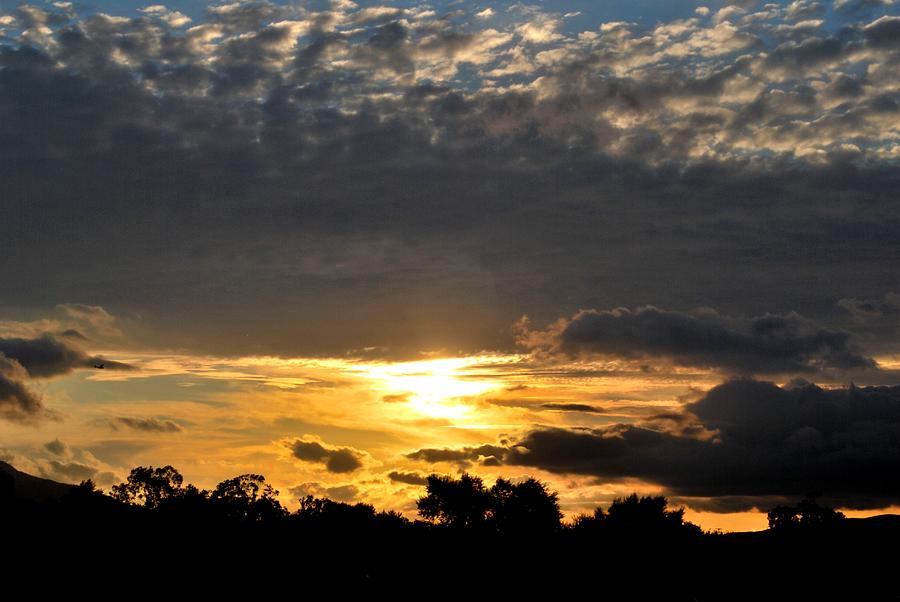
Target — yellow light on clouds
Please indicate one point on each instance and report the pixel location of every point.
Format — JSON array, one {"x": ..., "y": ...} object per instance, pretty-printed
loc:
[{"x": 432, "y": 388}]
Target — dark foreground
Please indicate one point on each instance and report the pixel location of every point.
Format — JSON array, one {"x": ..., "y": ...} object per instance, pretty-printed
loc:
[{"x": 77, "y": 540}]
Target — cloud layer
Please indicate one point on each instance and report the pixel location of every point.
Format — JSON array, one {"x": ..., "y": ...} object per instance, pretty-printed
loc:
[
  {"x": 745, "y": 441},
  {"x": 446, "y": 172},
  {"x": 770, "y": 344}
]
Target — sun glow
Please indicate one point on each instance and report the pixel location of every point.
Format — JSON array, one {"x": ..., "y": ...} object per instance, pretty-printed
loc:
[{"x": 433, "y": 388}]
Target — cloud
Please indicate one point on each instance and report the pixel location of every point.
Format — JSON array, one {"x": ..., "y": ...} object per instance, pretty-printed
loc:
[
  {"x": 72, "y": 465},
  {"x": 23, "y": 359},
  {"x": 883, "y": 33},
  {"x": 410, "y": 478},
  {"x": 335, "y": 459},
  {"x": 539, "y": 405},
  {"x": 57, "y": 447},
  {"x": 342, "y": 493},
  {"x": 17, "y": 402},
  {"x": 276, "y": 147},
  {"x": 883, "y": 312},
  {"x": 338, "y": 493},
  {"x": 95, "y": 317},
  {"x": 573, "y": 407},
  {"x": 758, "y": 441},
  {"x": 71, "y": 333},
  {"x": 860, "y": 6},
  {"x": 70, "y": 471},
  {"x": 461, "y": 455},
  {"x": 47, "y": 356},
  {"x": 152, "y": 425},
  {"x": 770, "y": 344}
]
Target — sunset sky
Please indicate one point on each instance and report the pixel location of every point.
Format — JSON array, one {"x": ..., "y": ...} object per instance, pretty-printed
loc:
[{"x": 618, "y": 246}]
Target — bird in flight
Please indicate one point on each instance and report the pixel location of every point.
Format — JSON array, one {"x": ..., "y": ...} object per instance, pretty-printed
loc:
[{"x": 99, "y": 366}]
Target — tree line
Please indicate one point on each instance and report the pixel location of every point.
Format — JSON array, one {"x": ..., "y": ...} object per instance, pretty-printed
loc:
[
  {"x": 509, "y": 535},
  {"x": 461, "y": 503}
]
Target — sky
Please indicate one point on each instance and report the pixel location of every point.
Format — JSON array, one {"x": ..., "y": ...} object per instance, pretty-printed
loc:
[{"x": 617, "y": 246}]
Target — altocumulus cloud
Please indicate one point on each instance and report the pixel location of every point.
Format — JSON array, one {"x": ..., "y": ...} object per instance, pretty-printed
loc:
[
  {"x": 754, "y": 441},
  {"x": 307, "y": 153}
]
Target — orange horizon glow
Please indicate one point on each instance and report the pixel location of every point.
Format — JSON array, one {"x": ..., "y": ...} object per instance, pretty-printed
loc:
[{"x": 380, "y": 410}]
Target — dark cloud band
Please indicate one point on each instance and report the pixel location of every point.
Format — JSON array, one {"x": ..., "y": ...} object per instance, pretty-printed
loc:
[
  {"x": 757, "y": 441},
  {"x": 771, "y": 344}
]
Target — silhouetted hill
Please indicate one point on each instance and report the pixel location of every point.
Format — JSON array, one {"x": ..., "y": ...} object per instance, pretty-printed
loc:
[
  {"x": 31, "y": 488},
  {"x": 881, "y": 526},
  {"x": 882, "y": 522}
]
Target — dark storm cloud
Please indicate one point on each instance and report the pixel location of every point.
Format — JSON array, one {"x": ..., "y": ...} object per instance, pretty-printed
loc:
[
  {"x": 338, "y": 460},
  {"x": 770, "y": 344},
  {"x": 279, "y": 157},
  {"x": 759, "y": 441},
  {"x": 47, "y": 356},
  {"x": 17, "y": 402}
]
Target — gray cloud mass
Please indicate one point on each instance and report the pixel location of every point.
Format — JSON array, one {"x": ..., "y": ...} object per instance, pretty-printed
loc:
[
  {"x": 765, "y": 344},
  {"x": 47, "y": 356},
  {"x": 755, "y": 442},
  {"x": 337, "y": 460},
  {"x": 345, "y": 178},
  {"x": 17, "y": 402}
]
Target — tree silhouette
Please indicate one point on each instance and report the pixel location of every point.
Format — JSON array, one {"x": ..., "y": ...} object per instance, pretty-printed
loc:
[
  {"x": 506, "y": 507},
  {"x": 807, "y": 515},
  {"x": 524, "y": 507},
  {"x": 458, "y": 503},
  {"x": 589, "y": 522},
  {"x": 148, "y": 486},
  {"x": 647, "y": 515},
  {"x": 247, "y": 498}
]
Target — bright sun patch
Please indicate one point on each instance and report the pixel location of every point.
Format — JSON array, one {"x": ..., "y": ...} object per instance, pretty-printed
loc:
[{"x": 434, "y": 388}]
